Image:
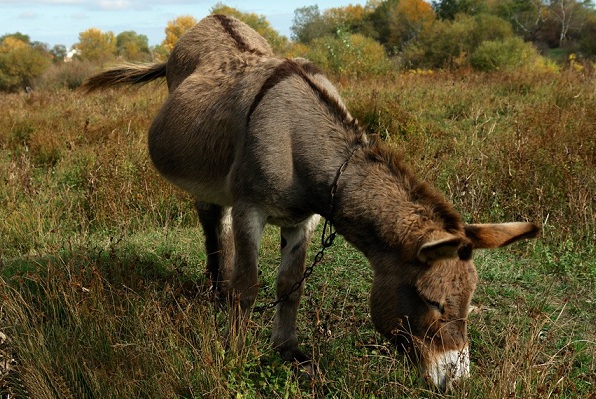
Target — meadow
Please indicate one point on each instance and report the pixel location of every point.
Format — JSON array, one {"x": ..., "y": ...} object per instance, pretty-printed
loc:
[{"x": 102, "y": 285}]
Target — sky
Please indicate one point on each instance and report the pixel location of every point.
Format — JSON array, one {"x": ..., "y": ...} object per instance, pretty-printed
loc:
[{"x": 60, "y": 21}]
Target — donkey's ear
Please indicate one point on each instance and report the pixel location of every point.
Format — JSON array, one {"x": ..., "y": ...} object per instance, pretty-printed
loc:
[
  {"x": 499, "y": 235},
  {"x": 442, "y": 248}
]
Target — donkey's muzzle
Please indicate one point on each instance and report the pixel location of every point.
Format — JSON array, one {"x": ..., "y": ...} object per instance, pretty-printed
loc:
[{"x": 444, "y": 368}]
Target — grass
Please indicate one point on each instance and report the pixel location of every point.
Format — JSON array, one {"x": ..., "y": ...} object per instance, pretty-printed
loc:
[{"x": 102, "y": 286}]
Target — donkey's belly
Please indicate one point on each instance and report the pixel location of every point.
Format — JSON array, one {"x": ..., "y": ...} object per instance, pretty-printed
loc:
[{"x": 213, "y": 192}]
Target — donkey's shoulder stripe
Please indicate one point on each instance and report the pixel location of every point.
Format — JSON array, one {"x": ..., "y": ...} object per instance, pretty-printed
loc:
[
  {"x": 289, "y": 68},
  {"x": 281, "y": 72}
]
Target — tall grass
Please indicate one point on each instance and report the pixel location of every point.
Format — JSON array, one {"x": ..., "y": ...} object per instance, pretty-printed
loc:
[
  {"x": 502, "y": 146},
  {"x": 102, "y": 287}
]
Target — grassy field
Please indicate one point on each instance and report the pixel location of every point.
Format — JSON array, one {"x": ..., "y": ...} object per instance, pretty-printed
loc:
[{"x": 102, "y": 286}]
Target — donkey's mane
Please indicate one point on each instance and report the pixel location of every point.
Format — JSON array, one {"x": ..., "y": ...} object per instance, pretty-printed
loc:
[
  {"x": 419, "y": 191},
  {"x": 305, "y": 71}
]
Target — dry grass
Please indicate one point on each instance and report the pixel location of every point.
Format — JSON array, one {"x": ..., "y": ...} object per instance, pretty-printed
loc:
[
  {"x": 102, "y": 291},
  {"x": 501, "y": 146}
]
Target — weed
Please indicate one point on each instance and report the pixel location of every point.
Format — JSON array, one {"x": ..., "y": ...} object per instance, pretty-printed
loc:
[{"x": 103, "y": 292}]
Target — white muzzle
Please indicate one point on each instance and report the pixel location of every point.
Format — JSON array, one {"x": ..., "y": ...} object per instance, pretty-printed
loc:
[{"x": 445, "y": 368}]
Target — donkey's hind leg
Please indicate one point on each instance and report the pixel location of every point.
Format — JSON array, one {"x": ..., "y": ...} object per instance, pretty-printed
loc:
[
  {"x": 219, "y": 244},
  {"x": 294, "y": 242}
]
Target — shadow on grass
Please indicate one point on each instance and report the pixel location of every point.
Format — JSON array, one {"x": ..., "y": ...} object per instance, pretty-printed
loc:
[{"x": 104, "y": 323}]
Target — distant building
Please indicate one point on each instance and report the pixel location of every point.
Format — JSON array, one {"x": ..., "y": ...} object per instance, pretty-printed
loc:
[{"x": 70, "y": 54}]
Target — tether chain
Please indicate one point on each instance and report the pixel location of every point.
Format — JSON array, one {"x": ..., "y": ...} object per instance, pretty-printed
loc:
[{"x": 327, "y": 238}]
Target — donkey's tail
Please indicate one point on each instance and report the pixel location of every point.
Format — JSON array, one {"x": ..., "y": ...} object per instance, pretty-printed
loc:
[{"x": 128, "y": 74}]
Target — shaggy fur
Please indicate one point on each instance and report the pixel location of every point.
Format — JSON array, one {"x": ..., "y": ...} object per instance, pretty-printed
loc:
[{"x": 258, "y": 139}]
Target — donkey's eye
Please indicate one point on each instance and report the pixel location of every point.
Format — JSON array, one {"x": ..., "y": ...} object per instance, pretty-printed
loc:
[{"x": 435, "y": 305}]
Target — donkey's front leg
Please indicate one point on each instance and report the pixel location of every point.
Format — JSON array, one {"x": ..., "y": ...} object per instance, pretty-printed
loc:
[{"x": 294, "y": 242}]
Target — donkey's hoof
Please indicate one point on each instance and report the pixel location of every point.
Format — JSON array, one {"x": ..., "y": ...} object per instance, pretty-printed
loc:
[
  {"x": 220, "y": 299},
  {"x": 294, "y": 355},
  {"x": 307, "y": 369}
]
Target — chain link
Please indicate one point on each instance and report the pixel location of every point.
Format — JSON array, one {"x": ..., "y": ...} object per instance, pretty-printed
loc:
[{"x": 327, "y": 237}]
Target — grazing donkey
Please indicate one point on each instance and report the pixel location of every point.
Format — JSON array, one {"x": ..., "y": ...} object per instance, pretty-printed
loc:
[{"x": 258, "y": 139}]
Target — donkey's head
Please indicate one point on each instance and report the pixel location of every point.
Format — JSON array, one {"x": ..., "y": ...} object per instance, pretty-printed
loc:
[{"x": 422, "y": 303}]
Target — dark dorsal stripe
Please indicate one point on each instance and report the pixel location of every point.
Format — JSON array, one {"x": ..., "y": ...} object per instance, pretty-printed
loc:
[
  {"x": 226, "y": 23},
  {"x": 310, "y": 68},
  {"x": 289, "y": 68}
]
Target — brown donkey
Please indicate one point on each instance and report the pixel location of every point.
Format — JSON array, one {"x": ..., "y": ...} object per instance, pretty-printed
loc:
[{"x": 258, "y": 139}]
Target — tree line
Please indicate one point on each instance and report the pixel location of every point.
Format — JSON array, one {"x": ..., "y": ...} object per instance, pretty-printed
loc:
[
  {"x": 446, "y": 33},
  {"x": 374, "y": 38}
]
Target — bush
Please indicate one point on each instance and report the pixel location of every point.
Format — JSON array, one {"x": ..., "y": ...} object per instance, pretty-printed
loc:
[
  {"x": 448, "y": 44},
  {"x": 349, "y": 55},
  {"x": 508, "y": 54},
  {"x": 66, "y": 75},
  {"x": 19, "y": 65},
  {"x": 587, "y": 44}
]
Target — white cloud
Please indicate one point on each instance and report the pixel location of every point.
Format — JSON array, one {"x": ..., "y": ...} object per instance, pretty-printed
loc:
[
  {"x": 44, "y": 2},
  {"x": 28, "y": 15},
  {"x": 115, "y": 4},
  {"x": 107, "y": 4},
  {"x": 78, "y": 16}
]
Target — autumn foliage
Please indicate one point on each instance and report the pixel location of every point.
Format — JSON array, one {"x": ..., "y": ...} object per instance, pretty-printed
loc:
[
  {"x": 20, "y": 63},
  {"x": 96, "y": 45},
  {"x": 176, "y": 28},
  {"x": 379, "y": 37}
]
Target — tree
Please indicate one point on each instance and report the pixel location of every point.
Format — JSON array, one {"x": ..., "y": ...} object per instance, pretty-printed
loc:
[
  {"x": 349, "y": 18},
  {"x": 59, "y": 51},
  {"x": 160, "y": 53},
  {"x": 406, "y": 19},
  {"x": 96, "y": 45},
  {"x": 448, "y": 9},
  {"x": 20, "y": 63},
  {"x": 379, "y": 18},
  {"x": 308, "y": 24},
  {"x": 175, "y": 29},
  {"x": 17, "y": 35},
  {"x": 568, "y": 16},
  {"x": 447, "y": 43},
  {"x": 258, "y": 22},
  {"x": 587, "y": 43},
  {"x": 526, "y": 16},
  {"x": 132, "y": 46}
]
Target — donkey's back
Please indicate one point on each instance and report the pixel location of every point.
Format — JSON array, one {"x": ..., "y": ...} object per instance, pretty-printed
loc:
[{"x": 216, "y": 42}]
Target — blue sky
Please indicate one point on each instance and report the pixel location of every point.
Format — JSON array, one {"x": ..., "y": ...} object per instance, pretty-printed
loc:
[{"x": 61, "y": 21}]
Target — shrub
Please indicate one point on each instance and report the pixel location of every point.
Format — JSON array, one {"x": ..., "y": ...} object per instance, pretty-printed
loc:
[
  {"x": 349, "y": 55},
  {"x": 508, "y": 54},
  {"x": 587, "y": 44},
  {"x": 487, "y": 27},
  {"x": 66, "y": 75},
  {"x": 448, "y": 44},
  {"x": 20, "y": 64}
]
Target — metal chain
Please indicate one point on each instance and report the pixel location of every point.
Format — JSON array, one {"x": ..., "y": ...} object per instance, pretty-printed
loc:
[{"x": 327, "y": 237}]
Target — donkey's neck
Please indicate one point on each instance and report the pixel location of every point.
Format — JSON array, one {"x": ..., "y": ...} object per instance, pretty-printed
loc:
[{"x": 381, "y": 205}]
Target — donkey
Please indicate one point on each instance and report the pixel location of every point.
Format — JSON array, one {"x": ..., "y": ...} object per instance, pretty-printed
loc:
[{"x": 258, "y": 139}]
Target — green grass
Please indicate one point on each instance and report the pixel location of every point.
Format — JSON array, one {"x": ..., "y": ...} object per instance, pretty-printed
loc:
[
  {"x": 103, "y": 292},
  {"x": 132, "y": 318}
]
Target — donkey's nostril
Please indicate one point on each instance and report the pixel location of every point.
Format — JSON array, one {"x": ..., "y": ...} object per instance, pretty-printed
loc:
[{"x": 465, "y": 252}]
